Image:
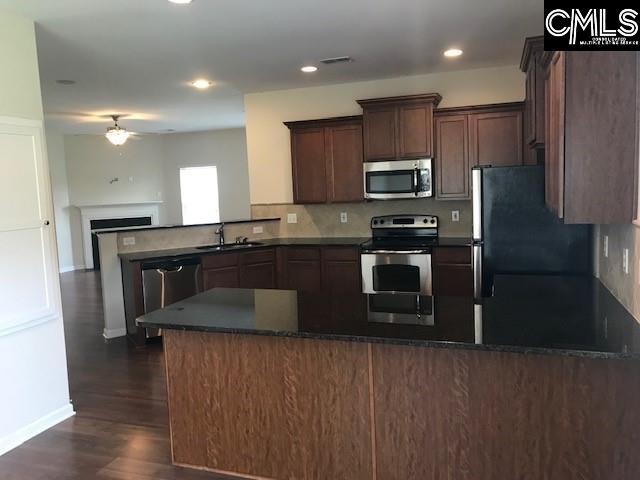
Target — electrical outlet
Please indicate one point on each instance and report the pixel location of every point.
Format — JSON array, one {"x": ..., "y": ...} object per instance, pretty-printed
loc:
[
  {"x": 258, "y": 229},
  {"x": 625, "y": 260},
  {"x": 455, "y": 215},
  {"x": 343, "y": 217},
  {"x": 292, "y": 218},
  {"x": 605, "y": 246},
  {"x": 128, "y": 241}
]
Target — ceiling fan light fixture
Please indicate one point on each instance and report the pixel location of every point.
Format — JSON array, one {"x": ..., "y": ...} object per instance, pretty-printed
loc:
[{"x": 116, "y": 134}]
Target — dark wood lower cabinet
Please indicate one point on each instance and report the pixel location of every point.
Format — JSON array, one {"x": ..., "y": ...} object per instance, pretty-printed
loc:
[
  {"x": 258, "y": 269},
  {"x": 452, "y": 271},
  {"x": 303, "y": 269},
  {"x": 323, "y": 409},
  {"x": 226, "y": 277}
]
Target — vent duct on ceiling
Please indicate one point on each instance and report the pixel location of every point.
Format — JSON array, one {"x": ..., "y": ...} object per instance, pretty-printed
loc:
[{"x": 331, "y": 61}]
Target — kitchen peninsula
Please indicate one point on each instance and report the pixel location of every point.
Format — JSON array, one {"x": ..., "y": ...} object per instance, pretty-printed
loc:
[{"x": 539, "y": 381}]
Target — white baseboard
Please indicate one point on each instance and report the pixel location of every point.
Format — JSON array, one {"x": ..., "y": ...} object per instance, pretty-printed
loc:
[
  {"x": 17, "y": 438},
  {"x": 72, "y": 268},
  {"x": 114, "y": 333}
]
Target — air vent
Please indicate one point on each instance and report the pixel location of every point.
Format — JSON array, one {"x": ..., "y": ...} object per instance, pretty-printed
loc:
[{"x": 331, "y": 61}]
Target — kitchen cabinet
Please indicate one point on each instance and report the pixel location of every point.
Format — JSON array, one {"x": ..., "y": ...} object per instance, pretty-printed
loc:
[
  {"x": 329, "y": 268},
  {"x": 326, "y": 158},
  {"x": 531, "y": 65},
  {"x": 591, "y": 135},
  {"x": 398, "y": 128},
  {"x": 452, "y": 167},
  {"x": 220, "y": 270},
  {"x": 258, "y": 269},
  {"x": 471, "y": 136},
  {"x": 452, "y": 271}
]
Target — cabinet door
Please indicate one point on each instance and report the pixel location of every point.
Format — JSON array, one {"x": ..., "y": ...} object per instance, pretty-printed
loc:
[
  {"x": 258, "y": 269},
  {"x": 303, "y": 269},
  {"x": 380, "y": 133},
  {"x": 226, "y": 277},
  {"x": 341, "y": 270},
  {"x": 496, "y": 138},
  {"x": 415, "y": 124},
  {"x": 554, "y": 125},
  {"x": 344, "y": 163},
  {"x": 453, "y": 274},
  {"x": 452, "y": 157},
  {"x": 309, "y": 165}
]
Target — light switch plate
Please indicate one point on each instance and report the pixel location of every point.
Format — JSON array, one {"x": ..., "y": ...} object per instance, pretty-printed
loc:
[
  {"x": 258, "y": 229},
  {"x": 343, "y": 217},
  {"x": 292, "y": 218},
  {"x": 455, "y": 215},
  {"x": 128, "y": 241},
  {"x": 625, "y": 260},
  {"x": 605, "y": 246}
]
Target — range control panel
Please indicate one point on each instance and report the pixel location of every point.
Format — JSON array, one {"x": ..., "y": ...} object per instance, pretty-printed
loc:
[{"x": 404, "y": 221}]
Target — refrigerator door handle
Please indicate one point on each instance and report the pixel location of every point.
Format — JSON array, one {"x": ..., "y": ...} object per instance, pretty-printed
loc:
[
  {"x": 477, "y": 272},
  {"x": 476, "y": 186}
]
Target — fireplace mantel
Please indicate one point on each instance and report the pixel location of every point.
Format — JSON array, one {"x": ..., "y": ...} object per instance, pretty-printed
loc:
[{"x": 113, "y": 210}]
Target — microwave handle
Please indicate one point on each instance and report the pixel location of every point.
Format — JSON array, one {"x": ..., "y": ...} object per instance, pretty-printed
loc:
[{"x": 416, "y": 181}]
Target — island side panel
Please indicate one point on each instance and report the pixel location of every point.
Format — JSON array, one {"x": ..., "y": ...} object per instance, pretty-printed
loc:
[
  {"x": 479, "y": 415},
  {"x": 269, "y": 407}
]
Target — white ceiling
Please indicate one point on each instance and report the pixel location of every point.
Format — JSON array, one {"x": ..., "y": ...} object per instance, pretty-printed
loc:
[{"x": 137, "y": 56}]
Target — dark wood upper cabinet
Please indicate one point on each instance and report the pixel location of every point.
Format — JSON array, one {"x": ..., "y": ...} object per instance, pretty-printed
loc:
[
  {"x": 531, "y": 65},
  {"x": 591, "y": 135},
  {"x": 398, "y": 128},
  {"x": 470, "y": 136},
  {"x": 326, "y": 157},
  {"x": 452, "y": 156},
  {"x": 496, "y": 137}
]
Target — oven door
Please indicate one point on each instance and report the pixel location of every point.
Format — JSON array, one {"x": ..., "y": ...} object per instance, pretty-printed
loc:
[
  {"x": 401, "y": 179},
  {"x": 397, "y": 272},
  {"x": 400, "y": 309}
]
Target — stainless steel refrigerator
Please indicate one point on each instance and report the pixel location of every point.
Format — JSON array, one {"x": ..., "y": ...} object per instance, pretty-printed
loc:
[{"x": 515, "y": 233}]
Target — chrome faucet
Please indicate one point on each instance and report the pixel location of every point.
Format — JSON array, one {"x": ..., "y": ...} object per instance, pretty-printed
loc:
[{"x": 220, "y": 233}]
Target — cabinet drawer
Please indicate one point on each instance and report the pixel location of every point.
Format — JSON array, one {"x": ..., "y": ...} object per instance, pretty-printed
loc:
[
  {"x": 342, "y": 254},
  {"x": 303, "y": 253},
  {"x": 219, "y": 260},
  {"x": 259, "y": 256},
  {"x": 226, "y": 277},
  {"x": 459, "y": 255}
]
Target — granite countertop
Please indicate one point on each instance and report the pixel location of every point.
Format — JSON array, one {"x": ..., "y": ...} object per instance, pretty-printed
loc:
[
  {"x": 554, "y": 315},
  {"x": 273, "y": 242}
]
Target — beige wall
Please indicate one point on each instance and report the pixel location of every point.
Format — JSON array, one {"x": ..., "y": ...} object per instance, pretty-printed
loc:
[
  {"x": 626, "y": 287},
  {"x": 268, "y": 146},
  {"x": 227, "y": 149}
]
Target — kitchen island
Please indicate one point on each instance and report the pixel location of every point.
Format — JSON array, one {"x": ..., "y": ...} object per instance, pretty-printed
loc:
[{"x": 540, "y": 381}]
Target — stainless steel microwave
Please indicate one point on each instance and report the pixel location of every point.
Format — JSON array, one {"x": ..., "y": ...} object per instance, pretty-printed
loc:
[{"x": 399, "y": 179}]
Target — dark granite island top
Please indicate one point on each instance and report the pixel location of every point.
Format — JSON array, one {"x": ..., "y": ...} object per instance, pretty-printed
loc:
[{"x": 557, "y": 315}]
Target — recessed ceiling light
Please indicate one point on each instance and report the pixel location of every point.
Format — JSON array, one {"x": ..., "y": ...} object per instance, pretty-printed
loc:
[
  {"x": 65, "y": 82},
  {"x": 452, "y": 52},
  {"x": 309, "y": 68},
  {"x": 181, "y": 2},
  {"x": 202, "y": 83}
]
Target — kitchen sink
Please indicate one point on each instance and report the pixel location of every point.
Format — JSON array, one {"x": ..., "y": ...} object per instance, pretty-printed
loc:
[{"x": 229, "y": 246}]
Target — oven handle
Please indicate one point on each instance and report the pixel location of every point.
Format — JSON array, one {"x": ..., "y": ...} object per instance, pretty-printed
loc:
[{"x": 399, "y": 252}]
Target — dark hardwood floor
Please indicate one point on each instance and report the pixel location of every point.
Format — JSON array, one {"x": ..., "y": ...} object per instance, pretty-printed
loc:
[{"x": 120, "y": 430}]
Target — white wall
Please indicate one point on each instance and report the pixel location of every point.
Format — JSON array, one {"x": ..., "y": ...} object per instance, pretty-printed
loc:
[
  {"x": 153, "y": 162},
  {"x": 60, "y": 190},
  {"x": 33, "y": 369},
  {"x": 227, "y": 150},
  {"x": 268, "y": 147}
]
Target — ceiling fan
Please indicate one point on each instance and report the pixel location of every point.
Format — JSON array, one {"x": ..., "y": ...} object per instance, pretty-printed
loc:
[{"x": 116, "y": 134}]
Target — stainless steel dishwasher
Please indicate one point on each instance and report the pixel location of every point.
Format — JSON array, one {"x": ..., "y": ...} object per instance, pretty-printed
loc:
[{"x": 168, "y": 281}]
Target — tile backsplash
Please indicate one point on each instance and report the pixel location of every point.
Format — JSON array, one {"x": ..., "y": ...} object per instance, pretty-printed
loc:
[
  {"x": 323, "y": 220},
  {"x": 312, "y": 221}
]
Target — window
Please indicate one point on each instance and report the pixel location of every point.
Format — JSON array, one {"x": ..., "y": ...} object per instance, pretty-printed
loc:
[{"x": 199, "y": 194}]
